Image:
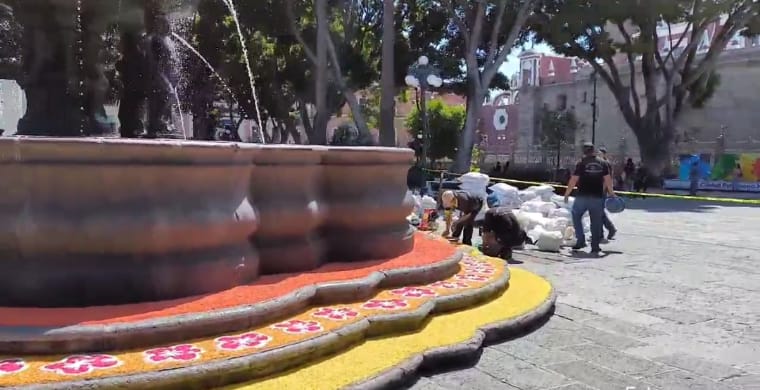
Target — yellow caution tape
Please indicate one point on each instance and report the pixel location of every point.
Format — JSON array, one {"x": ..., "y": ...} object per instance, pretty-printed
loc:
[{"x": 641, "y": 194}]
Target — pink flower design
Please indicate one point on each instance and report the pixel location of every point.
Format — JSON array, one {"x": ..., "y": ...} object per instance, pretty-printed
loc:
[
  {"x": 299, "y": 326},
  {"x": 82, "y": 364},
  {"x": 385, "y": 304},
  {"x": 450, "y": 285},
  {"x": 177, "y": 353},
  {"x": 472, "y": 277},
  {"x": 243, "y": 341},
  {"x": 414, "y": 292},
  {"x": 12, "y": 366},
  {"x": 481, "y": 269},
  {"x": 335, "y": 313}
]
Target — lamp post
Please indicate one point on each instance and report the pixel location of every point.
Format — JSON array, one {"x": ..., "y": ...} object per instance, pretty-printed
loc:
[
  {"x": 424, "y": 76},
  {"x": 593, "y": 107}
]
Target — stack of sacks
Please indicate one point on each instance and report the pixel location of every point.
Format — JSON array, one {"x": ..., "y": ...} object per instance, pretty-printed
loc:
[
  {"x": 538, "y": 206},
  {"x": 526, "y": 195},
  {"x": 475, "y": 183},
  {"x": 507, "y": 195},
  {"x": 545, "y": 192}
]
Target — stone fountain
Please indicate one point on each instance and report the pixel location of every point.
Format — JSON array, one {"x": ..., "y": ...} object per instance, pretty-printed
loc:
[
  {"x": 97, "y": 221},
  {"x": 63, "y": 74},
  {"x": 173, "y": 264}
]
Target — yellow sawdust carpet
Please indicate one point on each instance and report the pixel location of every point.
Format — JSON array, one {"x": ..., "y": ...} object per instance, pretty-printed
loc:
[{"x": 526, "y": 292}]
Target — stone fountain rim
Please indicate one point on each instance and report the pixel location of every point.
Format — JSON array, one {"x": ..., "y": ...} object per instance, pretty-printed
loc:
[{"x": 111, "y": 141}]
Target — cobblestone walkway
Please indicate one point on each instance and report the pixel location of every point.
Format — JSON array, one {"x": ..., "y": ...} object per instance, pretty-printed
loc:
[{"x": 674, "y": 305}]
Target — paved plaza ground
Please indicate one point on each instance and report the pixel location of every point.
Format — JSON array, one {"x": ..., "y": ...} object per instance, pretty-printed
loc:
[{"x": 675, "y": 305}]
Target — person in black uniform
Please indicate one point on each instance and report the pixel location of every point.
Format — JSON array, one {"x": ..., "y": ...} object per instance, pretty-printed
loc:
[
  {"x": 501, "y": 233},
  {"x": 593, "y": 178},
  {"x": 470, "y": 205}
]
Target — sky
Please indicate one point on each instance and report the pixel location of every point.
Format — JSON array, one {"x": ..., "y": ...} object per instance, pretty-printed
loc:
[{"x": 512, "y": 64}]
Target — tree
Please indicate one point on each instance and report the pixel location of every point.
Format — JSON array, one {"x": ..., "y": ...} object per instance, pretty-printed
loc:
[
  {"x": 558, "y": 128},
  {"x": 653, "y": 73},
  {"x": 350, "y": 60},
  {"x": 485, "y": 32},
  {"x": 388, "y": 84},
  {"x": 446, "y": 123},
  {"x": 10, "y": 42}
]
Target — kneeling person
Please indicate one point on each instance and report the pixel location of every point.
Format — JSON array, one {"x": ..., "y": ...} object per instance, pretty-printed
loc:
[
  {"x": 470, "y": 205},
  {"x": 501, "y": 233}
]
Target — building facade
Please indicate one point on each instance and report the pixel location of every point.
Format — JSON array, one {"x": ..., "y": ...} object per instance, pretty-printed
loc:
[{"x": 560, "y": 83}]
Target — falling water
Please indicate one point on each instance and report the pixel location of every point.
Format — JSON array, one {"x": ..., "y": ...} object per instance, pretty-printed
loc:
[
  {"x": 177, "y": 65},
  {"x": 179, "y": 112},
  {"x": 233, "y": 12},
  {"x": 190, "y": 47},
  {"x": 80, "y": 64}
]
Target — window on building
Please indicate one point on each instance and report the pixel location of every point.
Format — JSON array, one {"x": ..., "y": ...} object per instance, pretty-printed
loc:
[{"x": 561, "y": 102}]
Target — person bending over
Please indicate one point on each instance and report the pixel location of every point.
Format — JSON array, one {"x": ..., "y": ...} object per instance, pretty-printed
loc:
[
  {"x": 592, "y": 176},
  {"x": 470, "y": 205},
  {"x": 501, "y": 233}
]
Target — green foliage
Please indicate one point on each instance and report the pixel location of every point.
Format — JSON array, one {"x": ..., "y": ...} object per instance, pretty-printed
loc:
[
  {"x": 475, "y": 161},
  {"x": 445, "y": 124},
  {"x": 558, "y": 127},
  {"x": 370, "y": 105},
  {"x": 704, "y": 89},
  {"x": 10, "y": 42}
]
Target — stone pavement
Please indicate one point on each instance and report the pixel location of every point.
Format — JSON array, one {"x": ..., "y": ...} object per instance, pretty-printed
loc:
[{"x": 674, "y": 305}]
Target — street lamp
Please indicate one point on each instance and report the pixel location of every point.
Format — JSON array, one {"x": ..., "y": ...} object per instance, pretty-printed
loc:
[{"x": 424, "y": 77}]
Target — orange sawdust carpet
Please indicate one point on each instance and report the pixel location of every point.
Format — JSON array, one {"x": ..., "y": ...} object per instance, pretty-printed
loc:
[
  {"x": 427, "y": 250},
  {"x": 476, "y": 273}
]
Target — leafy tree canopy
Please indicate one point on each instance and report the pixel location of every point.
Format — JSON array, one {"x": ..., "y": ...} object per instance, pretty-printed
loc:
[
  {"x": 445, "y": 124},
  {"x": 625, "y": 41}
]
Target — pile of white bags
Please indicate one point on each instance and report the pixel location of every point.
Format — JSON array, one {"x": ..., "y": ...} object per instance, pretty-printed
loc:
[
  {"x": 428, "y": 202},
  {"x": 475, "y": 183},
  {"x": 545, "y": 192},
  {"x": 543, "y": 214},
  {"x": 507, "y": 195}
]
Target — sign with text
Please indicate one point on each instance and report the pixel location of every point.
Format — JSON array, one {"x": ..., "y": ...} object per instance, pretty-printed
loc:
[{"x": 714, "y": 185}]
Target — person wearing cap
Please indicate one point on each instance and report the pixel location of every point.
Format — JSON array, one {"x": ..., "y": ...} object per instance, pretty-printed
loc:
[
  {"x": 501, "y": 233},
  {"x": 593, "y": 178},
  {"x": 606, "y": 221},
  {"x": 467, "y": 203}
]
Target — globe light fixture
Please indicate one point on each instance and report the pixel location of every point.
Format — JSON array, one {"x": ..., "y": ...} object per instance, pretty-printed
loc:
[
  {"x": 434, "y": 81},
  {"x": 412, "y": 81}
]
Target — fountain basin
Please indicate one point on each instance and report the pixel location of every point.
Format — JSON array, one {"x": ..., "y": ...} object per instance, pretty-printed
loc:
[
  {"x": 287, "y": 188},
  {"x": 88, "y": 222},
  {"x": 106, "y": 221},
  {"x": 366, "y": 199}
]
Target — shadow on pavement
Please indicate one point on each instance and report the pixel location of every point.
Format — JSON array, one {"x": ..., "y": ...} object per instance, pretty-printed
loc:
[
  {"x": 587, "y": 255},
  {"x": 653, "y": 205},
  {"x": 469, "y": 360}
]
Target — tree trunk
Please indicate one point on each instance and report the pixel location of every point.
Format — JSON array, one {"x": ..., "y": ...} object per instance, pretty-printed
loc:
[
  {"x": 356, "y": 111},
  {"x": 321, "y": 68},
  {"x": 387, "y": 104},
  {"x": 655, "y": 150},
  {"x": 464, "y": 154}
]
